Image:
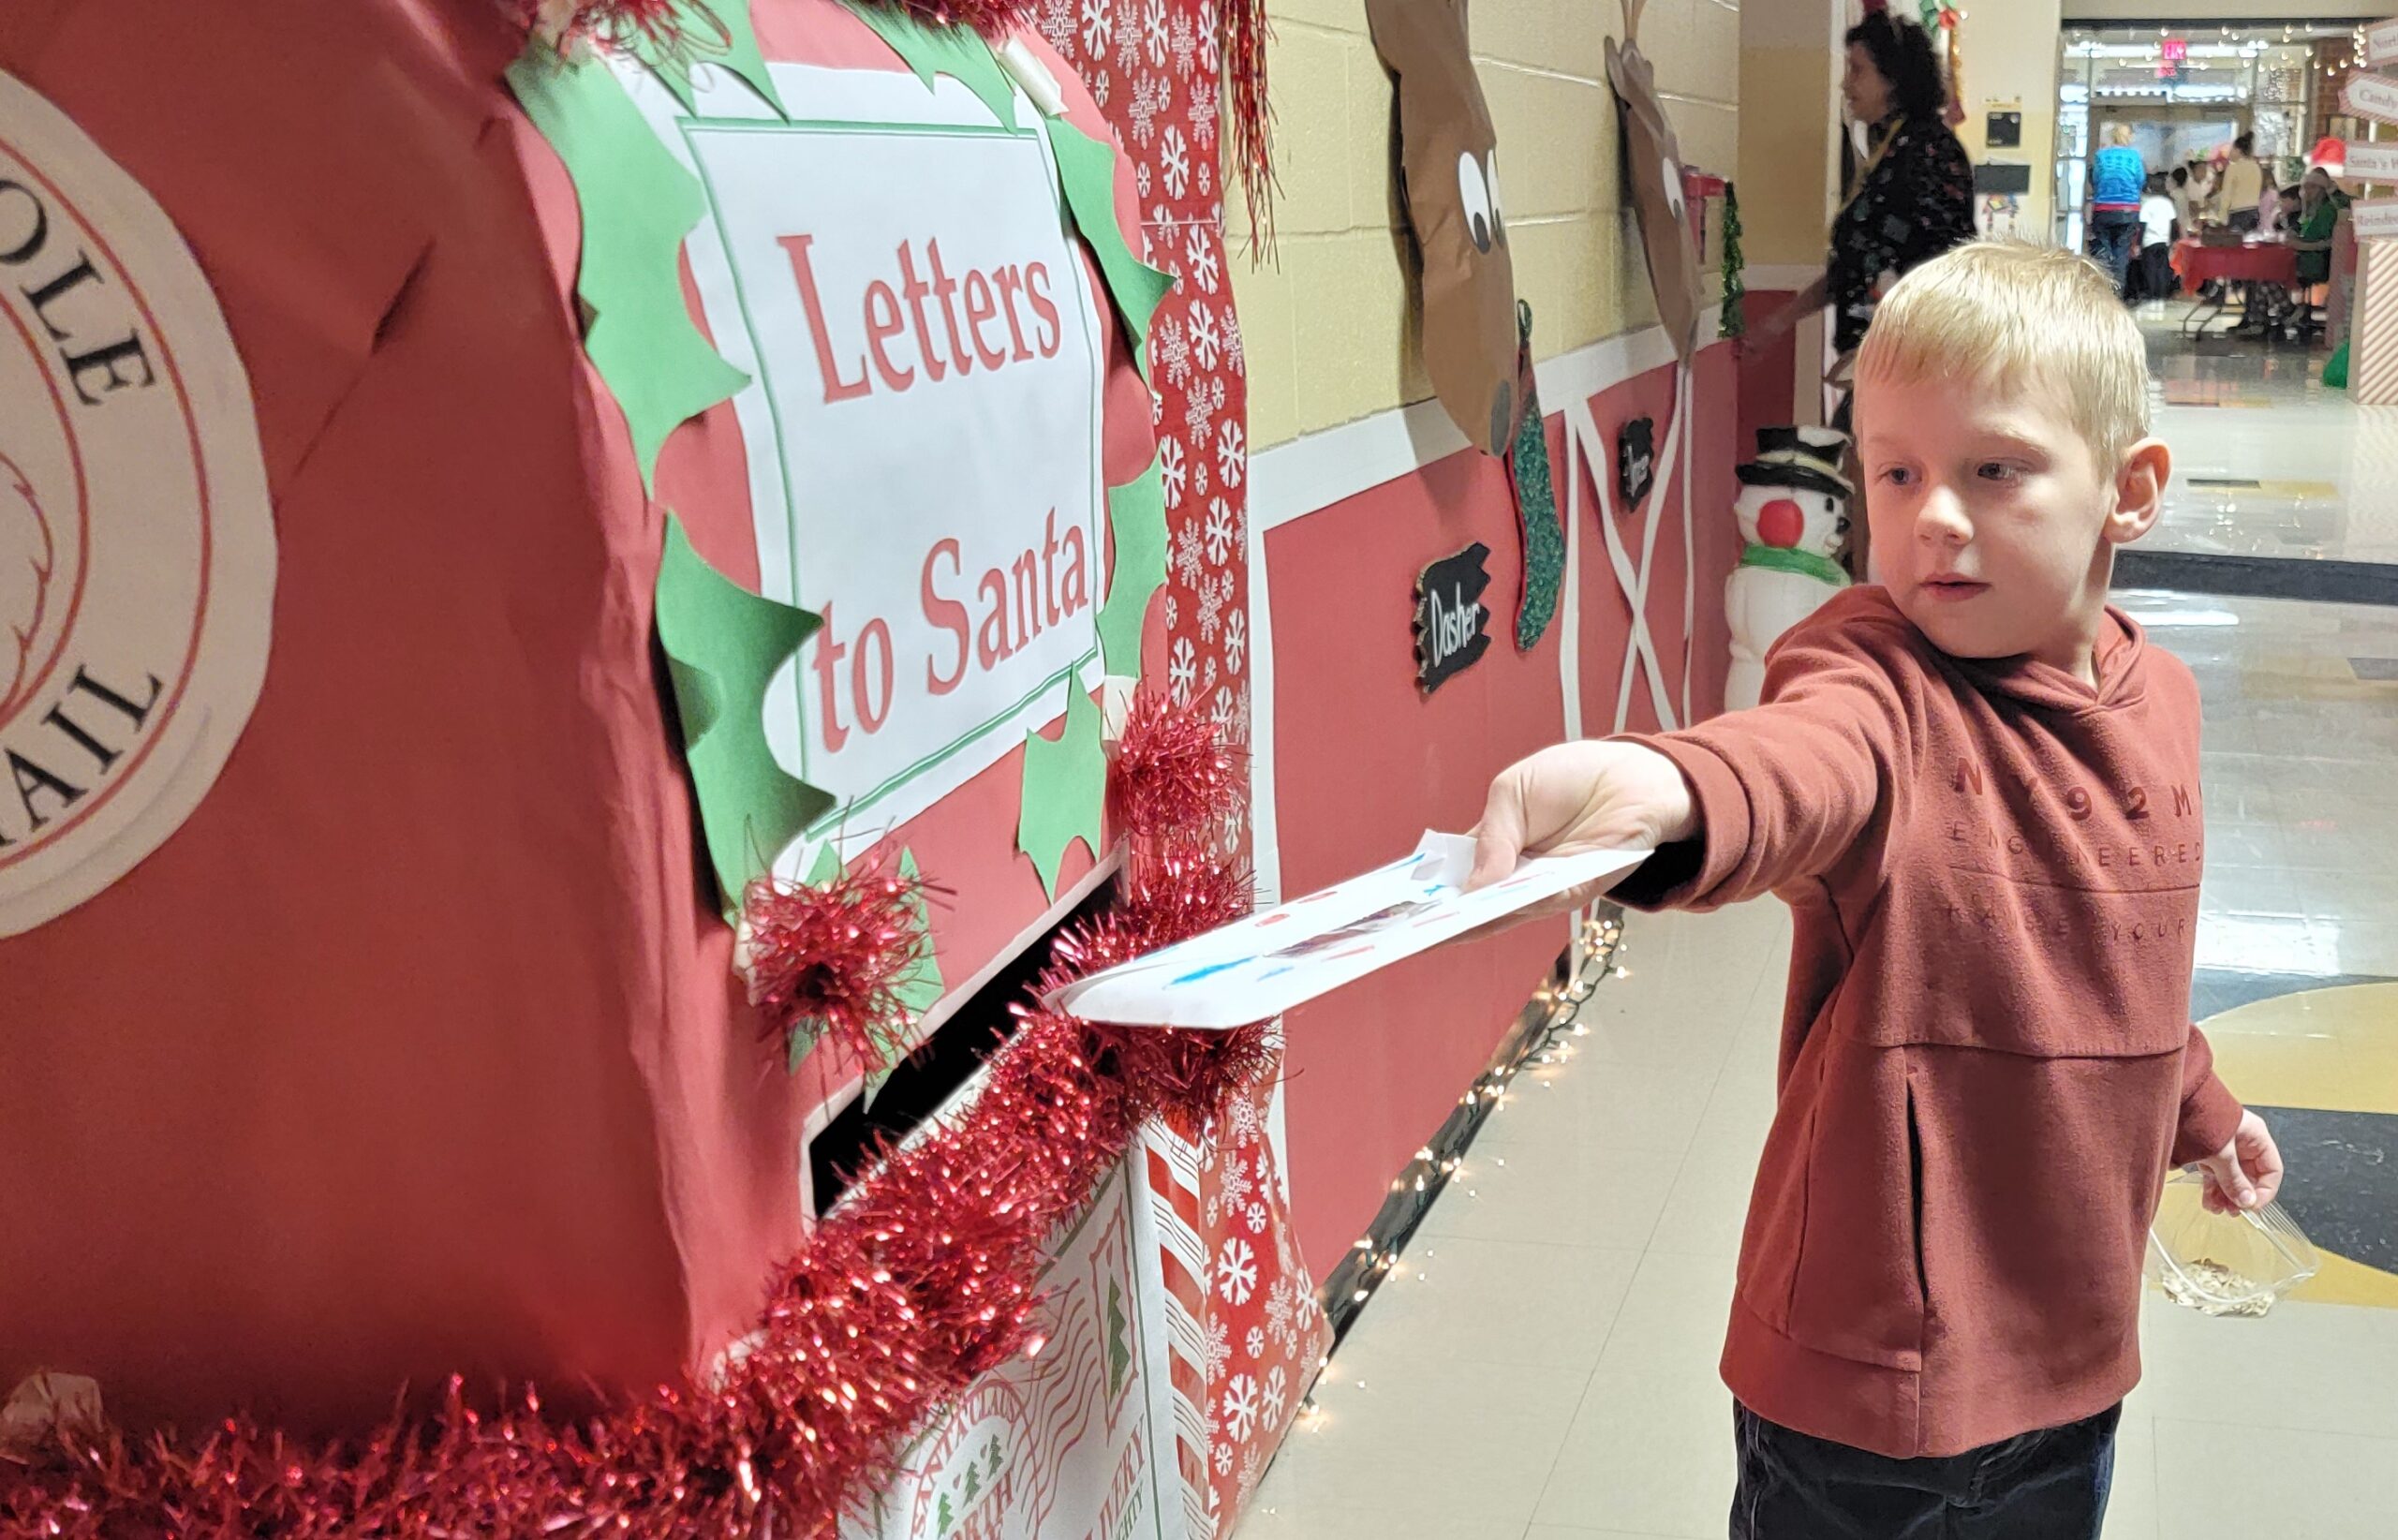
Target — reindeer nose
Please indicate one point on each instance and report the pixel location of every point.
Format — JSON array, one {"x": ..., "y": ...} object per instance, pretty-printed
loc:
[{"x": 1502, "y": 415}]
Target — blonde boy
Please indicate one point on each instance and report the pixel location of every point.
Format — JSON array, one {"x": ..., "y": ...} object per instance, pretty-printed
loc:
[{"x": 1977, "y": 786}]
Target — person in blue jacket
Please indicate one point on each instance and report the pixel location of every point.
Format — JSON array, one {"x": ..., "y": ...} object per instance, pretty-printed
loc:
[{"x": 2119, "y": 175}]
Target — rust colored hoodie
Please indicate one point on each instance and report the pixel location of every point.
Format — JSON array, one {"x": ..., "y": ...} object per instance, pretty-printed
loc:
[{"x": 1986, "y": 1059}]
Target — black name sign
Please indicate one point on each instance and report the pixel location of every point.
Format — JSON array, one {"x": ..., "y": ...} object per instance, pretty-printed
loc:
[
  {"x": 1451, "y": 621},
  {"x": 1635, "y": 461}
]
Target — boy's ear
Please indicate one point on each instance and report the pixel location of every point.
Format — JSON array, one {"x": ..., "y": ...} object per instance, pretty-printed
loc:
[{"x": 2140, "y": 491}]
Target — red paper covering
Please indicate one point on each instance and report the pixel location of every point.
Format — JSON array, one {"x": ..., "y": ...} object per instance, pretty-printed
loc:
[
  {"x": 418, "y": 1048},
  {"x": 1365, "y": 761}
]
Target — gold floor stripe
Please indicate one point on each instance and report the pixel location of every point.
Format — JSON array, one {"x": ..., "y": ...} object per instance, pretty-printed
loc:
[
  {"x": 2346, "y": 1283},
  {"x": 2335, "y": 1049}
]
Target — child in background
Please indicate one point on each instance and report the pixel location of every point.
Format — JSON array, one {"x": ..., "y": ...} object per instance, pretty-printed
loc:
[
  {"x": 2287, "y": 203},
  {"x": 2189, "y": 196},
  {"x": 1976, "y": 787},
  {"x": 2151, "y": 275}
]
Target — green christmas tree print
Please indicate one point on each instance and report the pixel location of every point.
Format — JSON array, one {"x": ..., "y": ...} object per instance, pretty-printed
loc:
[{"x": 1119, "y": 1347}]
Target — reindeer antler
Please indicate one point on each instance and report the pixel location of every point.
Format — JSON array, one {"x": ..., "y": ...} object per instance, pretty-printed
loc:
[{"x": 1631, "y": 9}]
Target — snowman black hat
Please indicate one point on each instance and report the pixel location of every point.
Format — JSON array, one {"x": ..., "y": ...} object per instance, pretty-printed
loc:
[{"x": 1806, "y": 458}]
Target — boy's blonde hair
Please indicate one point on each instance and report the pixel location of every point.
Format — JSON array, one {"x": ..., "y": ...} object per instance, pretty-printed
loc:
[{"x": 2004, "y": 314}]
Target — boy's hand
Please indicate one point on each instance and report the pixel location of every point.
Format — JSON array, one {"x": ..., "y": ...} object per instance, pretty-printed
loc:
[
  {"x": 2243, "y": 1175},
  {"x": 1577, "y": 797}
]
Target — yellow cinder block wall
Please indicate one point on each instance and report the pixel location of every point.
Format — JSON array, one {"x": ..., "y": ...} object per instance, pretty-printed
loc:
[
  {"x": 1325, "y": 321},
  {"x": 1789, "y": 97},
  {"x": 2011, "y": 59}
]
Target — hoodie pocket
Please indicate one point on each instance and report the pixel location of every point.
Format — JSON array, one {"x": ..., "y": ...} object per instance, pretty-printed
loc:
[
  {"x": 1915, "y": 1199},
  {"x": 1858, "y": 1279}
]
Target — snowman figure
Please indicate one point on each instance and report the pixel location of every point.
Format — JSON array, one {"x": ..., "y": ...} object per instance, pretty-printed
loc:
[{"x": 1793, "y": 511}]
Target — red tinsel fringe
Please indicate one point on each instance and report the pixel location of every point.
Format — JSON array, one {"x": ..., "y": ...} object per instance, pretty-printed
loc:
[
  {"x": 903, "y": 1297},
  {"x": 829, "y": 960},
  {"x": 990, "y": 18},
  {"x": 1243, "y": 30},
  {"x": 1171, "y": 773},
  {"x": 569, "y": 22},
  {"x": 566, "y": 24}
]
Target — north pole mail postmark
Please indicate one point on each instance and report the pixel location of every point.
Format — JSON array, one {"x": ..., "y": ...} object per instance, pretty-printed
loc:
[{"x": 136, "y": 540}]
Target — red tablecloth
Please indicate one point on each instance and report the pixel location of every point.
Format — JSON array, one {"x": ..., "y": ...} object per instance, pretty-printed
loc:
[{"x": 2256, "y": 262}]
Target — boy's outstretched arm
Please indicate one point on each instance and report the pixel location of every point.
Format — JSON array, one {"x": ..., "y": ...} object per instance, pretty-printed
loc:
[
  {"x": 1736, "y": 806},
  {"x": 2230, "y": 1144},
  {"x": 1587, "y": 795}
]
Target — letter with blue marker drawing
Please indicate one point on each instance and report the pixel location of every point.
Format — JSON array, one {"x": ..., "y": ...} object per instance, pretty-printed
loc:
[{"x": 1209, "y": 970}]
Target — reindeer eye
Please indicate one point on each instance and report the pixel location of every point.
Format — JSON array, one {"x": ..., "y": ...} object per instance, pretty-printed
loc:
[
  {"x": 1498, "y": 209},
  {"x": 1474, "y": 196},
  {"x": 1674, "y": 186}
]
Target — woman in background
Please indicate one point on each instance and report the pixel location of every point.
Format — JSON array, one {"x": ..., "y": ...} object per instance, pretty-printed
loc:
[
  {"x": 2321, "y": 205},
  {"x": 1910, "y": 200},
  {"x": 2240, "y": 191},
  {"x": 2117, "y": 176},
  {"x": 1913, "y": 197}
]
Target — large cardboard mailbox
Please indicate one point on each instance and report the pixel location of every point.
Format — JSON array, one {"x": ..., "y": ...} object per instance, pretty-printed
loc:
[{"x": 465, "y": 511}]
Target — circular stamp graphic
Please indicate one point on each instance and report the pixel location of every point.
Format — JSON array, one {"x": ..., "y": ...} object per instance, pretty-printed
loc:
[{"x": 136, "y": 539}]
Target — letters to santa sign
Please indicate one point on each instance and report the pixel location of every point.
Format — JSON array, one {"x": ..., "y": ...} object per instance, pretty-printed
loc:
[{"x": 922, "y": 428}]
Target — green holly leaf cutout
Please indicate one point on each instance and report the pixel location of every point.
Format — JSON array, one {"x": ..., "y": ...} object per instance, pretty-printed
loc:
[
  {"x": 723, "y": 644},
  {"x": 1136, "y": 520},
  {"x": 1065, "y": 785},
  {"x": 638, "y": 203},
  {"x": 957, "y": 52},
  {"x": 717, "y": 32},
  {"x": 1086, "y": 171}
]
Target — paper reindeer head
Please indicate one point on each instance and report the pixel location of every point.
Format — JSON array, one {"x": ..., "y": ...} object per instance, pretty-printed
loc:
[
  {"x": 1448, "y": 153},
  {"x": 1654, "y": 163}
]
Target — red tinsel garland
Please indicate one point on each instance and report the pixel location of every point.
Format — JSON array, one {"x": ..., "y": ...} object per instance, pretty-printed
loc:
[
  {"x": 573, "y": 23},
  {"x": 988, "y": 17},
  {"x": 568, "y": 24},
  {"x": 1171, "y": 772},
  {"x": 831, "y": 960},
  {"x": 919, "y": 1285}
]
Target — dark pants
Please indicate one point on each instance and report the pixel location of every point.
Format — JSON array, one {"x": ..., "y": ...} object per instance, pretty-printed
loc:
[
  {"x": 2050, "y": 1485},
  {"x": 2244, "y": 221},
  {"x": 2113, "y": 233},
  {"x": 2151, "y": 275}
]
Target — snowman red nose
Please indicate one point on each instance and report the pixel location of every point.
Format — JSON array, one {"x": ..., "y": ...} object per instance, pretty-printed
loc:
[{"x": 1781, "y": 523}]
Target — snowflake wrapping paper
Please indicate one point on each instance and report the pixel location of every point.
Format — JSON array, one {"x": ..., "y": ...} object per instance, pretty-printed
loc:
[
  {"x": 1154, "y": 68},
  {"x": 1249, "y": 1332}
]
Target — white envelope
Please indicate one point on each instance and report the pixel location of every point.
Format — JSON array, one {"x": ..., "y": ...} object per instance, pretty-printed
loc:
[{"x": 1260, "y": 966}]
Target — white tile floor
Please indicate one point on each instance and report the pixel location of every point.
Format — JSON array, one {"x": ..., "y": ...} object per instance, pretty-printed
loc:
[
  {"x": 1543, "y": 1365},
  {"x": 2268, "y": 462}
]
